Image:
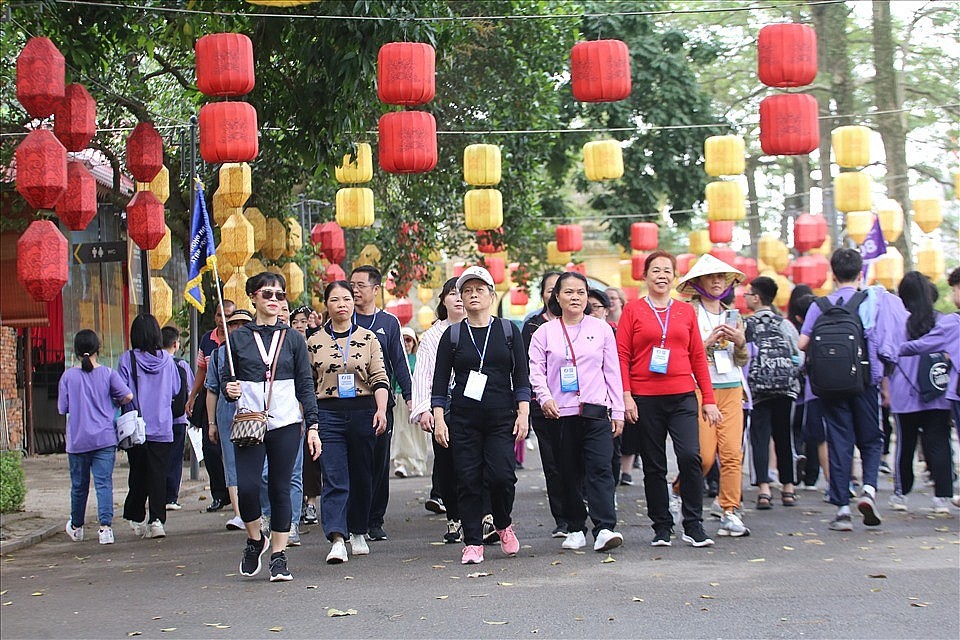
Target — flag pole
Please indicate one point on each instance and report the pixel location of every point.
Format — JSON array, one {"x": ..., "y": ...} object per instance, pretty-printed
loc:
[{"x": 216, "y": 282}]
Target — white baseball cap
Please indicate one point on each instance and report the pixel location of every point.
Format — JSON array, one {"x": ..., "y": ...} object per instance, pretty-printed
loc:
[{"x": 474, "y": 273}]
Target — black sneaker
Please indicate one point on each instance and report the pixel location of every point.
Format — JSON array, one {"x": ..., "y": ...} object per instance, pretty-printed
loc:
[
  {"x": 697, "y": 538},
  {"x": 454, "y": 532},
  {"x": 310, "y": 514},
  {"x": 216, "y": 505},
  {"x": 661, "y": 538},
  {"x": 250, "y": 563},
  {"x": 434, "y": 505},
  {"x": 626, "y": 480},
  {"x": 490, "y": 535},
  {"x": 376, "y": 533},
  {"x": 278, "y": 568}
]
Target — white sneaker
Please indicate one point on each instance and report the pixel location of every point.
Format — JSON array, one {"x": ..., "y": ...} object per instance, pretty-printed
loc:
[
  {"x": 715, "y": 509},
  {"x": 106, "y": 535},
  {"x": 235, "y": 524},
  {"x": 574, "y": 540},
  {"x": 401, "y": 472},
  {"x": 732, "y": 525},
  {"x": 75, "y": 534},
  {"x": 338, "y": 553},
  {"x": 941, "y": 505},
  {"x": 155, "y": 530},
  {"x": 173, "y": 506},
  {"x": 139, "y": 528},
  {"x": 358, "y": 545},
  {"x": 897, "y": 502},
  {"x": 607, "y": 540}
]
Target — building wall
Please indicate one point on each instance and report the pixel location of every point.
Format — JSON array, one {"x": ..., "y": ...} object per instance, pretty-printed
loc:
[{"x": 12, "y": 405}]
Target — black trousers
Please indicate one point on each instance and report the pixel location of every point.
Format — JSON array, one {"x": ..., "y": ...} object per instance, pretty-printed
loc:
[
  {"x": 213, "y": 462},
  {"x": 771, "y": 417},
  {"x": 175, "y": 462},
  {"x": 675, "y": 415},
  {"x": 381, "y": 472},
  {"x": 312, "y": 473},
  {"x": 279, "y": 447},
  {"x": 548, "y": 441},
  {"x": 147, "y": 481},
  {"x": 482, "y": 445},
  {"x": 586, "y": 448},
  {"x": 933, "y": 428},
  {"x": 445, "y": 480}
]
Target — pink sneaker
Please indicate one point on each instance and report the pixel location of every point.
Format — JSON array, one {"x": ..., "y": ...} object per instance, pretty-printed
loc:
[
  {"x": 508, "y": 541},
  {"x": 472, "y": 554}
]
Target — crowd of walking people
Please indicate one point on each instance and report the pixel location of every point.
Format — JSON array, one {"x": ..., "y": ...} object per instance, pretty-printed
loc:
[{"x": 306, "y": 414}]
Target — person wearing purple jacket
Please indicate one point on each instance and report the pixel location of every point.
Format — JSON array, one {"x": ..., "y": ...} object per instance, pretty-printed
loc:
[
  {"x": 575, "y": 374},
  {"x": 154, "y": 381},
  {"x": 87, "y": 396}
]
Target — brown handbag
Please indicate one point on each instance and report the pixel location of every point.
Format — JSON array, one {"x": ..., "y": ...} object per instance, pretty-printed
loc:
[{"x": 250, "y": 427}]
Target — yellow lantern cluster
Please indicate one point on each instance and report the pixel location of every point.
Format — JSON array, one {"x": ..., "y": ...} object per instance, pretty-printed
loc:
[
  {"x": 931, "y": 261},
  {"x": 890, "y": 214},
  {"x": 160, "y": 185},
  {"x": 555, "y": 256},
  {"x": 161, "y": 300},
  {"x": 773, "y": 253},
  {"x": 603, "y": 160},
  {"x": 859, "y": 224},
  {"x": 236, "y": 241},
  {"x": 784, "y": 288},
  {"x": 370, "y": 254},
  {"x": 481, "y": 165},
  {"x": 356, "y": 170},
  {"x": 253, "y": 267},
  {"x": 294, "y": 236},
  {"x": 826, "y": 249},
  {"x": 852, "y": 192},
  {"x": 483, "y": 209},
  {"x": 888, "y": 268},
  {"x": 225, "y": 267},
  {"x": 235, "y": 183},
  {"x": 276, "y": 244},
  {"x": 425, "y": 317},
  {"x": 725, "y": 201},
  {"x": 220, "y": 209},
  {"x": 700, "y": 242},
  {"x": 235, "y": 289},
  {"x": 928, "y": 213},
  {"x": 293, "y": 274},
  {"x": 354, "y": 207},
  {"x": 160, "y": 256},
  {"x": 434, "y": 277},
  {"x": 259, "y": 222},
  {"x": 724, "y": 156},
  {"x": 851, "y": 146}
]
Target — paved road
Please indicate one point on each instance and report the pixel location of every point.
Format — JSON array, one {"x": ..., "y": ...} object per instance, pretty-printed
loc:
[{"x": 792, "y": 578}]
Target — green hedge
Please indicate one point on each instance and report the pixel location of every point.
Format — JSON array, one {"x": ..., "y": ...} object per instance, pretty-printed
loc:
[{"x": 13, "y": 488}]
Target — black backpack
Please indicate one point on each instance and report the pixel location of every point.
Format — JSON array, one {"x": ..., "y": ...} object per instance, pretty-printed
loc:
[
  {"x": 507, "y": 331},
  {"x": 178, "y": 406},
  {"x": 838, "y": 365},
  {"x": 772, "y": 372}
]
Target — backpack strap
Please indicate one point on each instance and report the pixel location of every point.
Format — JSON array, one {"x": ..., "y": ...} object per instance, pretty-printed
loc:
[
  {"x": 454, "y": 337},
  {"x": 136, "y": 383},
  {"x": 824, "y": 303},
  {"x": 853, "y": 304}
]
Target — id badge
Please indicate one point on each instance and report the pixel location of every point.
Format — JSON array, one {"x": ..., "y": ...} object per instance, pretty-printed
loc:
[
  {"x": 722, "y": 361},
  {"x": 568, "y": 379},
  {"x": 659, "y": 360},
  {"x": 346, "y": 385},
  {"x": 476, "y": 383}
]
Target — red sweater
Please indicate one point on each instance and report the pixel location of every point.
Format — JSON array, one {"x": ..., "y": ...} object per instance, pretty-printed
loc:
[{"x": 638, "y": 332}]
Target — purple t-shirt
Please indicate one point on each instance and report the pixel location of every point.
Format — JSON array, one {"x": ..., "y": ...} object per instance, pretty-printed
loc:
[
  {"x": 90, "y": 400},
  {"x": 159, "y": 382}
]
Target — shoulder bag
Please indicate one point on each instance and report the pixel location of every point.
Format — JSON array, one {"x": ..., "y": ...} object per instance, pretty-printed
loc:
[
  {"x": 250, "y": 427},
  {"x": 131, "y": 427}
]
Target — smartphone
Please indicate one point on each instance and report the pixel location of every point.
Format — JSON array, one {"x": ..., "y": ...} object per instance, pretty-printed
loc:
[{"x": 731, "y": 318}]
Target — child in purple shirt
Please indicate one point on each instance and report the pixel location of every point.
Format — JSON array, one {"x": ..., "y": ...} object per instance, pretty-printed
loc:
[{"x": 88, "y": 395}]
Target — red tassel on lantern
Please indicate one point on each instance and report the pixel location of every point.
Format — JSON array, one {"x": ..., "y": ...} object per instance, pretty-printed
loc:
[
  {"x": 809, "y": 232},
  {"x": 490, "y": 241},
  {"x": 788, "y": 124},
  {"x": 721, "y": 230},
  {"x": 787, "y": 55},
  {"x": 228, "y": 132},
  {"x": 406, "y": 73},
  {"x": 145, "y": 152},
  {"x": 78, "y": 205},
  {"x": 407, "y": 142},
  {"x": 40, "y": 77},
  {"x": 644, "y": 236},
  {"x": 600, "y": 71},
  {"x": 75, "y": 122},
  {"x": 42, "y": 260},
  {"x": 41, "y": 169},
  {"x": 402, "y": 308},
  {"x": 569, "y": 237},
  {"x": 224, "y": 64},
  {"x": 145, "y": 223}
]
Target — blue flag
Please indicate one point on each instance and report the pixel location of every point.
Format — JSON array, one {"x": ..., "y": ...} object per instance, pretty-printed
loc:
[
  {"x": 203, "y": 255},
  {"x": 874, "y": 246}
]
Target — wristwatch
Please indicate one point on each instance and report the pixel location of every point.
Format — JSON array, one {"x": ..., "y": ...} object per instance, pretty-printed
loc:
[{"x": 313, "y": 427}]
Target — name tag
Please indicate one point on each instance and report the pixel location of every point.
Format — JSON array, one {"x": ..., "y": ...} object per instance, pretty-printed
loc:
[
  {"x": 722, "y": 361},
  {"x": 476, "y": 383},
  {"x": 346, "y": 385},
  {"x": 568, "y": 379},
  {"x": 659, "y": 360}
]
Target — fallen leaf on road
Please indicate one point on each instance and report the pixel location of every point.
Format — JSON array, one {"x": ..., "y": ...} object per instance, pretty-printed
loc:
[
  {"x": 442, "y": 597},
  {"x": 478, "y": 595},
  {"x": 178, "y": 575},
  {"x": 608, "y": 560},
  {"x": 37, "y": 593},
  {"x": 336, "y": 613},
  {"x": 504, "y": 584},
  {"x": 786, "y": 548},
  {"x": 3, "y": 593},
  {"x": 636, "y": 599},
  {"x": 555, "y": 563},
  {"x": 168, "y": 629},
  {"x": 229, "y": 575},
  {"x": 874, "y": 590},
  {"x": 210, "y": 624},
  {"x": 942, "y": 529},
  {"x": 157, "y": 618},
  {"x": 876, "y": 575},
  {"x": 81, "y": 558},
  {"x": 706, "y": 597},
  {"x": 579, "y": 553},
  {"x": 494, "y": 622},
  {"x": 222, "y": 626},
  {"x": 8, "y": 603},
  {"x": 814, "y": 541},
  {"x": 919, "y": 604},
  {"x": 439, "y": 566},
  {"x": 405, "y": 560},
  {"x": 579, "y": 618},
  {"x": 438, "y": 544},
  {"x": 313, "y": 586},
  {"x": 181, "y": 566},
  {"x": 478, "y": 574},
  {"x": 130, "y": 634},
  {"x": 714, "y": 584},
  {"x": 757, "y": 560},
  {"x": 348, "y": 577},
  {"x": 275, "y": 629}
]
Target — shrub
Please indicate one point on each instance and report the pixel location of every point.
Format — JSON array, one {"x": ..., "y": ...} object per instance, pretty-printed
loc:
[{"x": 13, "y": 488}]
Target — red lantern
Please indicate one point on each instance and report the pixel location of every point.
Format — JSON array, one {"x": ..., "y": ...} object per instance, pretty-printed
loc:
[
  {"x": 724, "y": 254},
  {"x": 490, "y": 241},
  {"x": 333, "y": 273},
  {"x": 458, "y": 269},
  {"x": 78, "y": 205},
  {"x": 406, "y": 73},
  {"x": 497, "y": 268},
  {"x": 684, "y": 262},
  {"x": 740, "y": 300},
  {"x": 145, "y": 151},
  {"x": 809, "y": 232},
  {"x": 145, "y": 223},
  {"x": 720, "y": 230},
  {"x": 224, "y": 64},
  {"x": 576, "y": 267},
  {"x": 40, "y": 77},
  {"x": 787, "y": 55},
  {"x": 788, "y": 124},
  {"x": 748, "y": 266},
  {"x": 519, "y": 297},
  {"x": 600, "y": 71},
  {"x": 42, "y": 260},
  {"x": 569, "y": 237},
  {"x": 637, "y": 262},
  {"x": 228, "y": 132},
  {"x": 75, "y": 122},
  {"x": 644, "y": 236},
  {"x": 402, "y": 308},
  {"x": 407, "y": 142},
  {"x": 41, "y": 169},
  {"x": 328, "y": 236},
  {"x": 810, "y": 270},
  {"x": 631, "y": 293}
]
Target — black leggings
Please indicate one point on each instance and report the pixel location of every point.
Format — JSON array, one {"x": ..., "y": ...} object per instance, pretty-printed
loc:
[
  {"x": 279, "y": 447},
  {"x": 933, "y": 427}
]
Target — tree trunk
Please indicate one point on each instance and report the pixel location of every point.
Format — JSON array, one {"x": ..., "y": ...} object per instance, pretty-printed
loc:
[{"x": 753, "y": 220}]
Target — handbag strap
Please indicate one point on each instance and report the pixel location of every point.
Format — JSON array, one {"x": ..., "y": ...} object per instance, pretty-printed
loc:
[
  {"x": 136, "y": 383},
  {"x": 273, "y": 369}
]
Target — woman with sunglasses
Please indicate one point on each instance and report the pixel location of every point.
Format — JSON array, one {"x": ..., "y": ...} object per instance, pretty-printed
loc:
[{"x": 255, "y": 347}]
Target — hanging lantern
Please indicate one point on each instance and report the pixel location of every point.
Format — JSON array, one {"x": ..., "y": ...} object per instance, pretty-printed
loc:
[
  {"x": 600, "y": 71},
  {"x": 931, "y": 261},
  {"x": 747, "y": 266},
  {"x": 224, "y": 64},
  {"x": 810, "y": 270},
  {"x": 144, "y": 152},
  {"x": 519, "y": 297},
  {"x": 569, "y": 237},
  {"x": 851, "y": 146},
  {"x": 724, "y": 254},
  {"x": 402, "y": 308},
  {"x": 424, "y": 294},
  {"x": 789, "y": 124},
  {"x": 42, "y": 260},
  {"x": 685, "y": 262},
  {"x": 228, "y": 132},
  {"x": 699, "y": 242},
  {"x": 406, "y": 73},
  {"x": 78, "y": 205},
  {"x": 293, "y": 274},
  {"x": 160, "y": 185},
  {"x": 370, "y": 254},
  {"x": 576, "y": 267},
  {"x": 408, "y": 142},
  {"x": 41, "y": 169},
  {"x": 259, "y": 223},
  {"x": 497, "y": 268},
  {"x": 626, "y": 273},
  {"x": 859, "y": 224},
  {"x": 603, "y": 160},
  {"x": 784, "y": 288},
  {"x": 145, "y": 223},
  {"x": 161, "y": 300},
  {"x": 253, "y": 267},
  {"x": 644, "y": 236},
  {"x": 356, "y": 170},
  {"x": 354, "y": 207},
  {"x": 40, "y": 77},
  {"x": 780, "y": 261},
  {"x": 294, "y": 237},
  {"x": 928, "y": 213},
  {"x": 851, "y": 192},
  {"x": 330, "y": 239},
  {"x": 768, "y": 247},
  {"x": 221, "y": 210},
  {"x": 481, "y": 165},
  {"x": 276, "y": 243},
  {"x": 809, "y": 232},
  {"x": 891, "y": 219},
  {"x": 787, "y": 55},
  {"x": 236, "y": 240},
  {"x": 724, "y": 156},
  {"x": 555, "y": 256},
  {"x": 225, "y": 267},
  {"x": 888, "y": 269},
  {"x": 725, "y": 201},
  {"x": 425, "y": 318},
  {"x": 235, "y": 183},
  {"x": 637, "y": 263},
  {"x": 75, "y": 119},
  {"x": 483, "y": 209},
  {"x": 333, "y": 273},
  {"x": 161, "y": 255},
  {"x": 740, "y": 300},
  {"x": 721, "y": 231},
  {"x": 826, "y": 249},
  {"x": 236, "y": 289},
  {"x": 490, "y": 240}
]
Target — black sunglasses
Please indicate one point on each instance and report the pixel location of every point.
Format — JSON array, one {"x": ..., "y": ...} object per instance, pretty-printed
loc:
[{"x": 268, "y": 294}]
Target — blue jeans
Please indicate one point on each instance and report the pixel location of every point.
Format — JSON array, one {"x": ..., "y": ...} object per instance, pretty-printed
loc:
[
  {"x": 296, "y": 488},
  {"x": 852, "y": 422},
  {"x": 100, "y": 462},
  {"x": 347, "y": 466}
]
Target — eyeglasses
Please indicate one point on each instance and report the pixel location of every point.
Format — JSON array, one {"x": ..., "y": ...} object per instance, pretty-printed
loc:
[
  {"x": 752, "y": 294},
  {"x": 268, "y": 294}
]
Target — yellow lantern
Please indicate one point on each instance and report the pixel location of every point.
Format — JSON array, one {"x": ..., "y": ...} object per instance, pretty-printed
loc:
[
  {"x": 931, "y": 261},
  {"x": 780, "y": 260},
  {"x": 825, "y": 289},
  {"x": 555, "y": 256},
  {"x": 724, "y": 156},
  {"x": 235, "y": 289},
  {"x": 725, "y": 201},
  {"x": 928, "y": 213},
  {"x": 275, "y": 269},
  {"x": 160, "y": 185},
  {"x": 236, "y": 240},
  {"x": 220, "y": 209},
  {"x": 826, "y": 249},
  {"x": 355, "y": 207},
  {"x": 235, "y": 183},
  {"x": 259, "y": 223},
  {"x": 603, "y": 160},
  {"x": 481, "y": 165},
  {"x": 784, "y": 287},
  {"x": 161, "y": 300},
  {"x": 294, "y": 236},
  {"x": 160, "y": 256},
  {"x": 253, "y": 267},
  {"x": 434, "y": 278},
  {"x": 225, "y": 267},
  {"x": 890, "y": 214},
  {"x": 424, "y": 294},
  {"x": 851, "y": 146},
  {"x": 276, "y": 243},
  {"x": 859, "y": 224},
  {"x": 355, "y": 171},
  {"x": 851, "y": 191},
  {"x": 700, "y": 242},
  {"x": 293, "y": 274},
  {"x": 888, "y": 269},
  {"x": 425, "y": 317},
  {"x": 483, "y": 209},
  {"x": 768, "y": 247},
  {"x": 370, "y": 254}
]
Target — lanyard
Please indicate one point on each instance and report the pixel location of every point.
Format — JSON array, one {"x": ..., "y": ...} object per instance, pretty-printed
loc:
[
  {"x": 372, "y": 321},
  {"x": 344, "y": 353},
  {"x": 663, "y": 323},
  {"x": 482, "y": 354},
  {"x": 266, "y": 356},
  {"x": 570, "y": 354}
]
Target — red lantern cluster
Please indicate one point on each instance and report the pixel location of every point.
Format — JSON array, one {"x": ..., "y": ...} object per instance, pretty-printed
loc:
[
  {"x": 644, "y": 236},
  {"x": 40, "y": 77},
  {"x": 402, "y": 308},
  {"x": 406, "y": 73},
  {"x": 788, "y": 124},
  {"x": 145, "y": 223},
  {"x": 810, "y": 270},
  {"x": 490, "y": 241},
  {"x": 408, "y": 142},
  {"x": 333, "y": 273},
  {"x": 787, "y": 55},
  {"x": 41, "y": 169},
  {"x": 748, "y": 266},
  {"x": 576, "y": 267},
  {"x": 78, "y": 206},
  {"x": 329, "y": 239},
  {"x": 720, "y": 230},
  {"x": 569, "y": 237},
  {"x": 228, "y": 130},
  {"x": 724, "y": 254},
  {"x": 809, "y": 232},
  {"x": 75, "y": 121},
  {"x": 145, "y": 152},
  {"x": 42, "y": 266},
  {"x": 497, "y": 268},
  {"x": 600, "y": 71}
]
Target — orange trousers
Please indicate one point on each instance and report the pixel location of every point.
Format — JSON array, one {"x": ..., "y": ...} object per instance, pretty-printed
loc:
[{"x": 726, "y": 442}]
